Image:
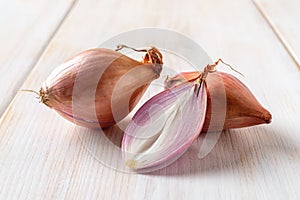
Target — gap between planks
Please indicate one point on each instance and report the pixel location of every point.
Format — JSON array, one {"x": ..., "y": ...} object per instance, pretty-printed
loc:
[{"x": 278, "y": 34}]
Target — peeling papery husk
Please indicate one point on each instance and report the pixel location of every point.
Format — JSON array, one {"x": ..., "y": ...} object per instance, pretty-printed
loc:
[
  {"x": 164, "y": 127},
  {"x": 86, "y": 88},
  {"x": 242, "y": 108}
]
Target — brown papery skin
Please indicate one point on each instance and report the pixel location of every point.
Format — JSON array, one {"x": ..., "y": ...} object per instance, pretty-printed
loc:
[
  {"x": 105, "y": 80},
  {"x": 242, "y": 108}
]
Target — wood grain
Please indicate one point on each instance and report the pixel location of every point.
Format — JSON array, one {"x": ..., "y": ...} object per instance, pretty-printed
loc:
[
  {"x": 43, "y": 156},
  {"x": 283, "y": 17},
  {"x": 26, "y": 29}
]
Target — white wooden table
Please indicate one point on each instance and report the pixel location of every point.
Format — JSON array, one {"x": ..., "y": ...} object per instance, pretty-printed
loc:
[{"x": 42, "y": 158}]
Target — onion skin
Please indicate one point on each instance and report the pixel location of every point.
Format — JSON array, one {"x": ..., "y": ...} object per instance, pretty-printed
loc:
[
  {"x": 242, "y": 108},
  {"x": 99, "y": 72}
]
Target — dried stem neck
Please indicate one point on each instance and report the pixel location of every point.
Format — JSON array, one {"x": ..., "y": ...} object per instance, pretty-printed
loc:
[
  {"x": 153, "y": 55},
  {"x": 210, "y": 68}
]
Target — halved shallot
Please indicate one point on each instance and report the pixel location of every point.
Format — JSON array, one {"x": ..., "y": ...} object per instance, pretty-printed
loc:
[{"x": 165, "y": 126}]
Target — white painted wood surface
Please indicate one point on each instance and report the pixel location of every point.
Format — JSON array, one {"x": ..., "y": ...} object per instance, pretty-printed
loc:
[
  {"x": 284, "y": 18},
  {"x": 42, "y": 157},
  {"x": 26, "y": 29}
]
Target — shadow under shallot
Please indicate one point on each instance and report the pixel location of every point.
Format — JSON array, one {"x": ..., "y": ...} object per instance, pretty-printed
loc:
[
  {"x": 114, "y": 134},
  {"x": 242, "y": 150}
]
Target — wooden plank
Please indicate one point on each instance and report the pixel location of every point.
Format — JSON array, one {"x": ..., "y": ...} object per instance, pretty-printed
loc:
[
  {"x": 283, "y": 17},
  {"x": 43, "y": 156},
  {"x": 26, "y": 28}
]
